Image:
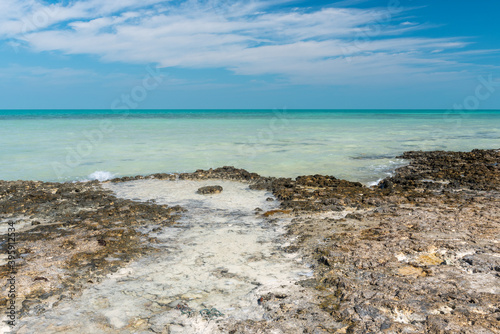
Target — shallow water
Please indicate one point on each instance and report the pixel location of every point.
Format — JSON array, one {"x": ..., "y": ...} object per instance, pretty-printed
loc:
[
  {"x": 355, "y": 145},
  {"x": 221, "y": 255}
]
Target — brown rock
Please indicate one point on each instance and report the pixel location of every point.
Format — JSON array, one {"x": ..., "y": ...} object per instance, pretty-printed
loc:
[{"x": 209, "y": 190}]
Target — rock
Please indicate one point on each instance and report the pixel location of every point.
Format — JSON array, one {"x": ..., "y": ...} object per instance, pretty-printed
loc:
[
  {"x": 164, "y": 302},
  {"x": 72, "y": 228},
  {"x": 140, "y": 323},
  {"x": 209, "y": 190},
  {"x": 174, "y": 303},
  {"x": 191, "y": 296},
  {"x": 411, "y": 271},
  {"x": 386, "y": 184},
  {"x": 482, "y": 262}
]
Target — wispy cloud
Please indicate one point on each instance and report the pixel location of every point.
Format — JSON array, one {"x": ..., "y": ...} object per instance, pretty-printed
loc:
[
  {"x": 40, "y": 74},
  {"x": 305, "y": 45}
]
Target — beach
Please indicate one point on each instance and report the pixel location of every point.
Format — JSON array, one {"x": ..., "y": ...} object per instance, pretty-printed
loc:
[{"x": 418, "y": 252}]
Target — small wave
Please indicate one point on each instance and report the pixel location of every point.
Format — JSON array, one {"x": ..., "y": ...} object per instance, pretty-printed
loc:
[
  {"x": 100, "y": 176},
  {"x": 388, "y": 170},
  {"x": 374, "y": 183},
  {"x": 372, "y": 157}
]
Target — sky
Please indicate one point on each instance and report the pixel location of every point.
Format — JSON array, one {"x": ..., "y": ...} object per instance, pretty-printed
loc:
[{"x": 251, "y": 54}]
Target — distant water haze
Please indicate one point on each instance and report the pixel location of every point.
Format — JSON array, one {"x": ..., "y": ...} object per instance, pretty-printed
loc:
[{"x": 359, "y": 145}]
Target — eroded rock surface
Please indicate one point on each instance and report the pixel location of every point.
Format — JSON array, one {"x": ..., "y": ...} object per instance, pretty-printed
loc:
[
  {"x": 417, "y": 254},
  {"x": 69, "y": 236}
]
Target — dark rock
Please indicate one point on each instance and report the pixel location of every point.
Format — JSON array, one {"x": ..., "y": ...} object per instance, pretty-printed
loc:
[
  {"x": 356, "y": 216},
  {"x": 324, "y": 260},
  {"x": 482, "y": 262},
  {"x": 209, "y": 190},
  {"x": 367, "y": 311},
  {"x": 386, "y": 184},
  {"x": 385, "y": 325},
  {"x": 39, "y": 278},
  {"x": 476, "y": 170},
  {"x": 308, "y": 283}
]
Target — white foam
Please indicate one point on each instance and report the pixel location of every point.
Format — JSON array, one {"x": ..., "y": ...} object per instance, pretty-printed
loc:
[
  {"x": 100, "y": 176},
  {"x": 388, "y": 170},
  {"x": 374, "y": 183}
]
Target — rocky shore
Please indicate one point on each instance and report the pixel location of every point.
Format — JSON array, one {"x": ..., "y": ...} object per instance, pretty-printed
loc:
[{"x": 419, "y": 253}]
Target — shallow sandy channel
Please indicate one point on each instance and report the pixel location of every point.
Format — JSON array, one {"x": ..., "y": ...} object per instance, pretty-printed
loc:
[{"x": 221, "y": 256}]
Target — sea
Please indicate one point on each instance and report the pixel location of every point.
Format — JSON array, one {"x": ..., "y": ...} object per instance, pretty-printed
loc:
[{"x": 357, "y": 145}]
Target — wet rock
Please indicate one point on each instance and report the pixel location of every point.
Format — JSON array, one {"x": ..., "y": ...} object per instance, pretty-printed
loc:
[
  {"x": 209, "y": 190},
  {"x": 275, "y": 212},
  {"x": 477, "y": 170}
]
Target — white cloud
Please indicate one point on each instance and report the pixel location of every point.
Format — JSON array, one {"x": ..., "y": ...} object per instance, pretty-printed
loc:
[
  {"x": 328, "y": 45},
  {"x": 20, "y": 17},
  {"x": 46, "y": 75}
]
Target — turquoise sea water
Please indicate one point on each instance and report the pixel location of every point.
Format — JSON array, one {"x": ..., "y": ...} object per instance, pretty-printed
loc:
[{"x": 360, "y": 145}]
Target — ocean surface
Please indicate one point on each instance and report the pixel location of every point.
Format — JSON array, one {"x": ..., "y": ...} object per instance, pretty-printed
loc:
[{"x": 358, "y": 145}]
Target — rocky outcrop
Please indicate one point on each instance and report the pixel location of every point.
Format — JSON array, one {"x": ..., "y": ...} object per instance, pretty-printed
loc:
[
  {"x": 475, "y": 170},
  {"x": 70, "y": 235},
  {"x": 209, "y": 190},
  {"x": 420, "y": 256},
  {"x": 221, "y": 173}
]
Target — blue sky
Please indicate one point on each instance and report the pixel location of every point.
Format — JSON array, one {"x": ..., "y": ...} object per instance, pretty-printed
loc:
[{"x": 249, "y": 54}]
